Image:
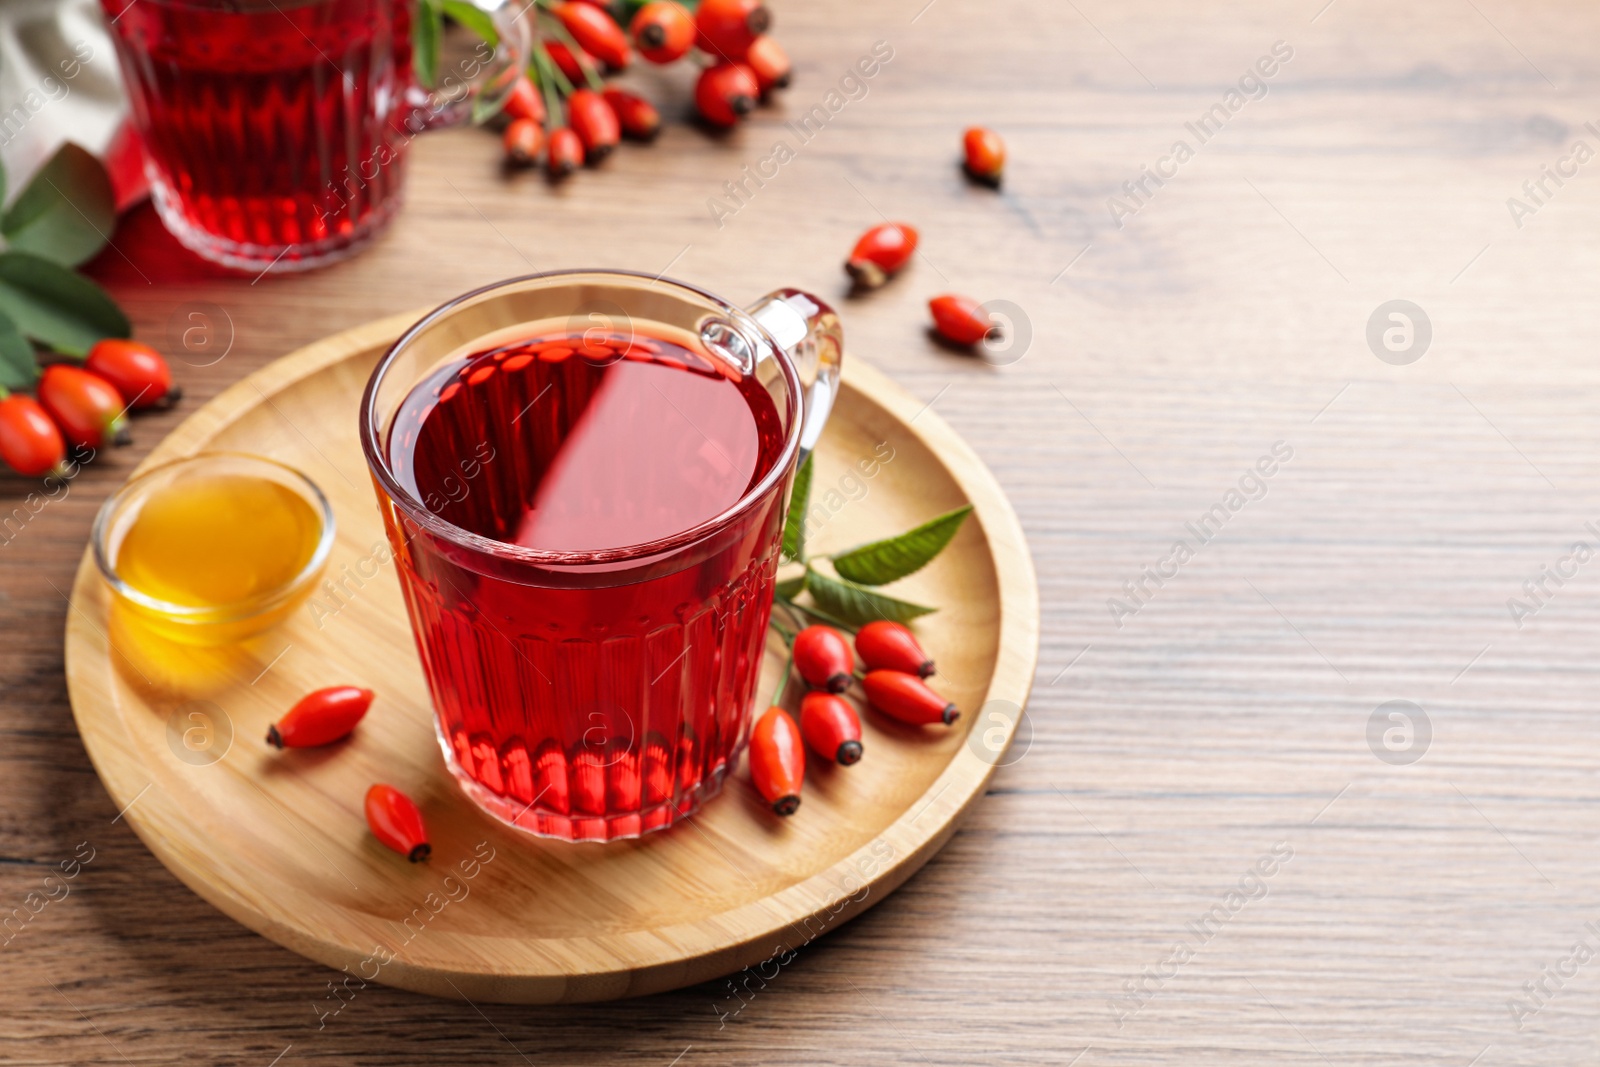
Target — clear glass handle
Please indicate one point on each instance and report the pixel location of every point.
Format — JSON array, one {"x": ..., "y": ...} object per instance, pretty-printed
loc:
[
  {"x": 808, "y": 330},
  {"x": 479, "y": 83}
]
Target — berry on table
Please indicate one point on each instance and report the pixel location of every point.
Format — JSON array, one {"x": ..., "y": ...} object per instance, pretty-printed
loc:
[{"x": 985, "y": 155}]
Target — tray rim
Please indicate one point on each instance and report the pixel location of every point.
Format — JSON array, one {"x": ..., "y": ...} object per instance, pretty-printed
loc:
[{"x": 950, "y": 796}]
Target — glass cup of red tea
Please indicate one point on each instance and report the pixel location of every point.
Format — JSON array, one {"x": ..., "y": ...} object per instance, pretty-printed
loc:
[
  {"x": 275, "y": 131},
  {"x": 584, "y": 477}
]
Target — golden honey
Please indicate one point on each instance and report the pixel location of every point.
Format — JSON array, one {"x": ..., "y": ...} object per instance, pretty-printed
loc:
[{"x": 216, "y": 553}]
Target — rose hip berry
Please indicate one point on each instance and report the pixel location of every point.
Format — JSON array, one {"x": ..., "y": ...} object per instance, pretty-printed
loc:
[
  {"x": 396, "y": 822},
  {"x": 830, "y": 727},
  {"x": 905, "y": 697},
  {"x": 595, "y": 33},
  {"x": 822, "y": 656},
  {"x": 564, "y": 153},
  {"x": 321, "y": 718},
  {"x": 571, "y": 64},
  {"x": 727, "y": 28},
  {"x": 960, "y": 319},
  {"x": 88, "y": 408},
  {"x": 770, "y": 63},
  {"x": 880, "y": 252},
  {"x": 726, "y": 93},
  {"x": 985, "y": 155},
  {"x": 884, "y": 645},
  {"x": 639, "y": 118},
  {"x": 524, "y": 102},
  {"x": 777, "y": 760},
  {"x": 137, "y": 371},
  {"x": 594, "y": 122},
  {"x": 523, "y": 140},
  {"x": 30, "y": 443},
  {"x": 662, "y": 31}
]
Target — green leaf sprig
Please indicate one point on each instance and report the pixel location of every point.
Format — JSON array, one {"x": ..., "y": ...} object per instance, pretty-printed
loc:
[
  {"x": 62, "y": 218},
  {"x": 849, "y": 598}
]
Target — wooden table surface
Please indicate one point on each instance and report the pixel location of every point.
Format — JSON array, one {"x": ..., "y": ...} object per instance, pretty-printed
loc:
[{"x": 1217, "y": 848}]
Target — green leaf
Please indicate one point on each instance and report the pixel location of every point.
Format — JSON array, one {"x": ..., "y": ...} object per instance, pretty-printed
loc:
[
  {"x": 893, "y": 558},
  {"x": 67, "y": 212},
  {"x": 791, "y": 588},
  {"x": 17, "y": 367},
  {"x": 857, "y": 604},
  {"x": 56, "y": 306},
  {"x": 794, "y": 526},
  {"x": 473, "y": 17},
  {"x": 425, "y": 35}
]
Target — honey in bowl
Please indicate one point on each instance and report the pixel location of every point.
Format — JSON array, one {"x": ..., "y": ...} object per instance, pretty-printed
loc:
[{"x": 215, "y": 548}]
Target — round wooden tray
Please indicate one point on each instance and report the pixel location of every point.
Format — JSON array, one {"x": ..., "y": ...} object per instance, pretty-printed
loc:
[{"x": 277, "y": 840}]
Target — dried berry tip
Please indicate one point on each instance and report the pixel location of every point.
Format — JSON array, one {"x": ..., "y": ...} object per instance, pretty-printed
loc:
[
  {"x": 420, "y": 853},
  {"x": 274, "y": 738},
  {"x": 849, "y": 752},
  {"x": 786, "y": 805},
  {"x": 950, "y": 714},
  {"x": 838, "y": 683},
  {"x": 865, "y": 273}
]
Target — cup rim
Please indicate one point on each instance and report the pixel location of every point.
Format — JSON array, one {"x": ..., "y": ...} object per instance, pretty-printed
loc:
[
  {"x": 237, "y": 611},
  {"x": 403, "y": 498}
]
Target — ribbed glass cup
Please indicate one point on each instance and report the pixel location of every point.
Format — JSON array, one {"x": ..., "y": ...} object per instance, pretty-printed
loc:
[
  {"x": 275, "y": 131},
  {"x": 595, "y": 695}
]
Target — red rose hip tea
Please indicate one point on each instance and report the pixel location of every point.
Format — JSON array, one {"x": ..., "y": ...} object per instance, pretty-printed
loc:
[
  {"x": 574, "y": 443},
  {"x": 586, "y": 521},
  {"x": 276, "y": 130}
]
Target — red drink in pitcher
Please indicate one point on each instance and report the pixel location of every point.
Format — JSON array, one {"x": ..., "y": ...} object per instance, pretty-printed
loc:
[
  {"x": 598, "y": 704},
  {"x": 276, "y": 129}
]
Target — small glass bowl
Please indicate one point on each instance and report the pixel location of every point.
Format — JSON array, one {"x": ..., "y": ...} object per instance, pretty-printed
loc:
[{"x": 210, "y": 624}]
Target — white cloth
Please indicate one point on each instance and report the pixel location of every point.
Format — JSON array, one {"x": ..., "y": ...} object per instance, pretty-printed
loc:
[{"x": 58, "y": 82}]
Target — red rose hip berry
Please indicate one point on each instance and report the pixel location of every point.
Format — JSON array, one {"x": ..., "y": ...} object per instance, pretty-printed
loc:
[
  {"x": 638, "y": 117},
  {"x": 523, "y": 140},
  {"x": 524, "y": 102},
  {"x": 905, "y": 697},
  {"x": 89, "y": 410},
  {"x": 880, "y": 252},
  {"x": 777, "y": 760},
  {"x": 564, "y": 153},
  {"x": 959, "y": 319},
  {"x": 595, "y": 33},
  {"x": 594, "y": 122},
  {"x": 727, "y": 28},
  {"x": 662, "y": 31},
  {"x": 822, "y": 656},
  {"x": 570, "y": 63},
  {"x": 985, "y": 155},
  {"x": 770, "y": 63},
  {"x": 30, "y": 443},
  {"x": 726, "y": 93},
  {"x": 397, "y": 823},
  {"x": 137, "y": 371},
  {"x": 321, "y": 717},
  {"x": 830, "y": 727},
  {"x": 884, "y": 645}
]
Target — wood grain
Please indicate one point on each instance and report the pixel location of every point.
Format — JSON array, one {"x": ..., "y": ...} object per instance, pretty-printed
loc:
[
  {"x": 277, "y": 839},
  {"x": 1169, "y": 754}
]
